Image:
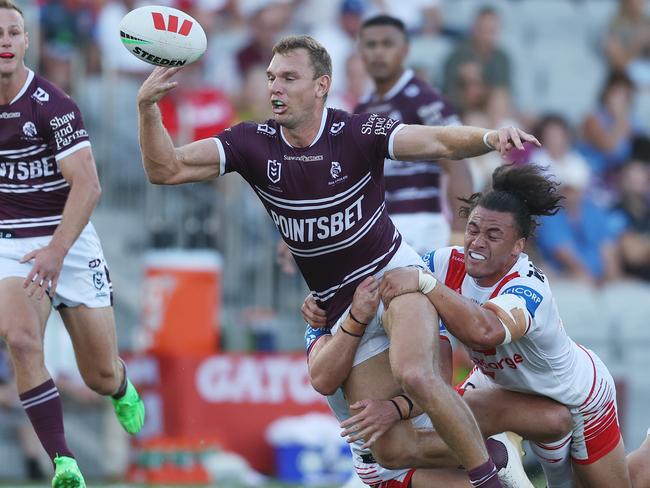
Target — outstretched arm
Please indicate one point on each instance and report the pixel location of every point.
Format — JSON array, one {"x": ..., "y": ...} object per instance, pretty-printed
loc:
[
  {"x": 421, "y": 143},
  {"x": 163, "y": 163},
  {"x": 498, "y": 321}
]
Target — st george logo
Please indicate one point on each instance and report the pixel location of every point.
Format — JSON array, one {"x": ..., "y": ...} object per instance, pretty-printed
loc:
[
  {"x": 172, "y": 24},
  {"x": 274, "y": 170}
]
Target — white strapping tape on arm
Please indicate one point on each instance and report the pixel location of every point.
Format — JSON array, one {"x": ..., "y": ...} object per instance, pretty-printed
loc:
[
  {"x": 513, "y": 315},
  {"x": 427, "y": 282}
]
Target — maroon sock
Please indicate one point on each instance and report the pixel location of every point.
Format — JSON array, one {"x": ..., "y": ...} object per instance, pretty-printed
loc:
[
  {"x": 43, "y": 407},
  {"x": 497, "y": 452},
  {"x": 485, "y": 476}
]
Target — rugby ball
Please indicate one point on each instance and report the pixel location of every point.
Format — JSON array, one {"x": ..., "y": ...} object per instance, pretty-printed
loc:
[{"x": 162, "y": 36}]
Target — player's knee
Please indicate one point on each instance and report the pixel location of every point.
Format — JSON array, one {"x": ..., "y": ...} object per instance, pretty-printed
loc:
[
  {"x": 390, "y": 455},
  {"x": 103, "y": 380},
  {"x": 558, "y": 421},
  {"x": 415, "y": 381},
  {"x": 24, "y": 344}
]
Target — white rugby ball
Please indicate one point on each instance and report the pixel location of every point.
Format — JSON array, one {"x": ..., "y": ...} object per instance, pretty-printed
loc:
[{"x": 162, "y": 36}]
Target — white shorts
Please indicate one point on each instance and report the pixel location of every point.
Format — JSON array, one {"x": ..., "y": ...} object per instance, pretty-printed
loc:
[
  {"x": 84, "y": 278},
  {"x": 372, "y": 473},
  {"x": 423, "y": 231},
  {"x": 596, "y": 431},
  {"x": 374, "y": 339}
]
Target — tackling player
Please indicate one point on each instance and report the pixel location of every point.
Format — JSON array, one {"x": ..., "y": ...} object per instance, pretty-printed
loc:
[
  {"x": 494, "y": 300},
  {"x": 318, "y": 172},
  {"x": 48, "y": 247}
]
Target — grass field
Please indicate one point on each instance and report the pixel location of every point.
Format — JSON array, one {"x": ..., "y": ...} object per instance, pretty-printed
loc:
[{"x": 539, "y": 483}]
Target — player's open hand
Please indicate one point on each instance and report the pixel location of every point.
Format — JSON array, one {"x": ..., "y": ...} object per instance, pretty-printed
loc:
[
  {"x": 157, "y": 85},
  {"x": 375, "y": 417},
  {"x": 366, "y": 300},
  {"x": 506, "y": 139},
  {"x": 45, "y": 271},
  {"x": 312, "y": 313},
  {"x": 398, "y": 282}
]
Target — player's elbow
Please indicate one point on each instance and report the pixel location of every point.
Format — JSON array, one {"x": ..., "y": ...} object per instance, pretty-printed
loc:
[
  {"x": 324, "y": 385},
  {"x": 483, "y": 335}
]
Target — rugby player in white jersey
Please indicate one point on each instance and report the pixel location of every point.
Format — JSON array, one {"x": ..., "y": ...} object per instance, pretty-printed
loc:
[
  {"x": 318, "y": 172},
  {"x": 494, "y": 300},
  {"x": 49, "y": 251},
  {"x": 387, "y": 453}
]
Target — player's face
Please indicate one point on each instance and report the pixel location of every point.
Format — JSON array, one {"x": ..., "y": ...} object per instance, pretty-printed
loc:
[
  {"x": 13, "y": 41},
  {"x": 383, "y": 49},
  {"x": 295, "y": 94},
  {"x": 492, "y": 245}
]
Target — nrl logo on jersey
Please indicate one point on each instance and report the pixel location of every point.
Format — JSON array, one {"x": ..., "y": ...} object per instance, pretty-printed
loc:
[
  {"x": 336, "y": 128},
  {"x": 41, "y": 95},
  {"x": 273, "y": 170},
  {"x": 266, "y": 129}
]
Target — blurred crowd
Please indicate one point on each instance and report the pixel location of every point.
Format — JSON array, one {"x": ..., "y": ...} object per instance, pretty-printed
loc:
[{"x": 601, "y": 156}]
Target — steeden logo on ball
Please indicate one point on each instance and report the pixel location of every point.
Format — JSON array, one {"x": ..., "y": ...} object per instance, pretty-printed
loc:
[{"x": 162, "y": 36}]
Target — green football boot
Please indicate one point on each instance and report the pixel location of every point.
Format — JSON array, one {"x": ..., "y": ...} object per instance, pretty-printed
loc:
[
  {"x": 67, "y": 474},
  {"x": 130, "y": 409}
]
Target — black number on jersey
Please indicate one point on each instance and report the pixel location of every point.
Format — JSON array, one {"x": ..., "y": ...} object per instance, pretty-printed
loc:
[{"x": 536, "y": 272}]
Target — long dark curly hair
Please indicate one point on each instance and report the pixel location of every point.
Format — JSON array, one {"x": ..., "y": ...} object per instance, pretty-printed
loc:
[{"x": 525, "y": 191}]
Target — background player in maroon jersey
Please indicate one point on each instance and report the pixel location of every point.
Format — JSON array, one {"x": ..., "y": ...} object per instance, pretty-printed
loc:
[
  {"x": 48, "y": 189},
  {"x": 319, "y": 174},
  {"x": 414, "y": 191}
]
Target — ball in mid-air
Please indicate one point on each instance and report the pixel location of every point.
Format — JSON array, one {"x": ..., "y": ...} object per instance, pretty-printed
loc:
[{"x": 162, "y": 36}]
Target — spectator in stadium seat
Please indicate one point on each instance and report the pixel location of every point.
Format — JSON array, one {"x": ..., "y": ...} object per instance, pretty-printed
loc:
[
  {"x": 627, "y": 43},
  {"x": 578, "y": 241},
  {"x": 481, "y": 47},
  {"x": 633, "y": 209},
  {"x": 609, "y": 129}
]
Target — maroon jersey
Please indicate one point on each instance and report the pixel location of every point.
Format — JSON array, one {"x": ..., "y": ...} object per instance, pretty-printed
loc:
[
  {"x": 327, "y": 200},
  {"x": 38, "y": 128},
  {"x": 411, "y": 186}
]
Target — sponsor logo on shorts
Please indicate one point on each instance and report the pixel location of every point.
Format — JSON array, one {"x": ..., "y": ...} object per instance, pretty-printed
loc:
[{"x": 94, "y": 263}]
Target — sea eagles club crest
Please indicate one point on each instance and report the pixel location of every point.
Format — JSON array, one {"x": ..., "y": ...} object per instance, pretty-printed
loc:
[
  {"x": 335, "y": 170},
  {"x": 274, "y": 170}
]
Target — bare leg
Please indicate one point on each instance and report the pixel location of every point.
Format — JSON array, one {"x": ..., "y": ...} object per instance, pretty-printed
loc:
[
  {"x": 607, "y": 472},
  {"x": 92, "y": 331},
  {"x": 449, "y": 478},
  {"x": 638, "y": 463},
  {"x": 412, "y": 325},
  {"x": 22, "y": 323}
]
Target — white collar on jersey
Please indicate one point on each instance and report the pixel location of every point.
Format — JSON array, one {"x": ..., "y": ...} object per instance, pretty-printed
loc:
[
  {"x": 399, "y": 85},
  {"x": 30, "y": 77},
  {"x": 323, "y": 119}
]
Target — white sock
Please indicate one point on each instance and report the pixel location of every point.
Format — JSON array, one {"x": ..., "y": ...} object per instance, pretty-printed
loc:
[{"x": 556, "y": 462}]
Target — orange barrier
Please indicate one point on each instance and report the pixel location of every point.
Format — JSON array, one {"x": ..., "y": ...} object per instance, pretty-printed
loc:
[{"x": 182, "y": 300}]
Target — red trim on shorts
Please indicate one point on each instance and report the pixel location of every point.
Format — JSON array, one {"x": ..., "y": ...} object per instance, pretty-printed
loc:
[
  {"x": 599, "y": 441},
  {"x": 554, "y": 448},
  {"x": 593, "y": 365},
  {"x": 405, "y": 483},
  {"x": 444, "y": 338}
]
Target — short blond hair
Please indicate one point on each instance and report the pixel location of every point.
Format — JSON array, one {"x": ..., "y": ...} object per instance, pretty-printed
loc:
[
  {"x": 8, "y": 4},
  {"x": 318, "y": 55}
]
